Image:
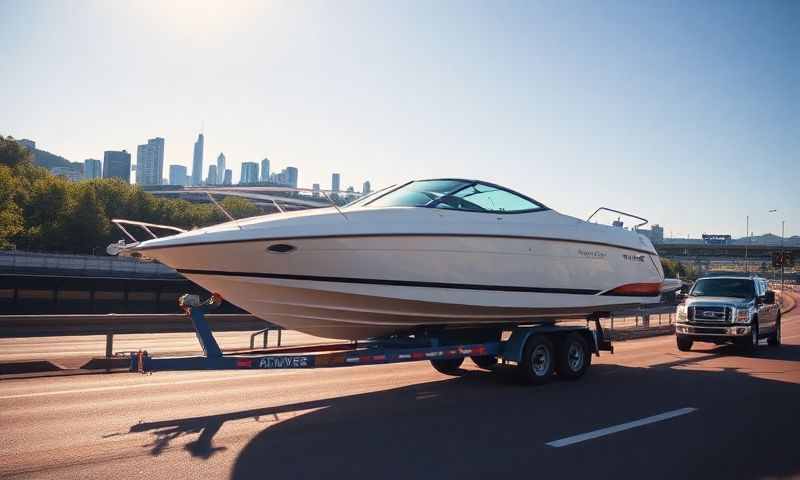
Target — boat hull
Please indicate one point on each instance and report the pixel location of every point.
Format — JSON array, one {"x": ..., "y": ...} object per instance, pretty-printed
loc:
[{"x": 363, "y": 286}]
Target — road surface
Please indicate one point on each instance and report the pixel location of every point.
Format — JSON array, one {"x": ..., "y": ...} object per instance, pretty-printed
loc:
[{"x": 647, "y": 411}]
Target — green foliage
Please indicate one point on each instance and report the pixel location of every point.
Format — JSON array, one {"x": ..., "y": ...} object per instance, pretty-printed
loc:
[
  {"x": 39, "y": 211},
  {"x": 674, "y": 269},
  {"x": 12, "y": 153}
]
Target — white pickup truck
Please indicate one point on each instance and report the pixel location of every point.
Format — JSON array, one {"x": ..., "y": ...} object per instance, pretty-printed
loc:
[{"x": 741, "y": 310}]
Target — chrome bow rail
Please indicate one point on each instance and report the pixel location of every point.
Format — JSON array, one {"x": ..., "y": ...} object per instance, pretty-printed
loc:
[
  {"x": 644, "y": 220},
  {"x": 117, "y": 248}
]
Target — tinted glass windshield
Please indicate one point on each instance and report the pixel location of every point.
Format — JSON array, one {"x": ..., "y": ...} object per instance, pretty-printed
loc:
[
  {"x": 723, "y": 287},
  {"x": 456, "y": 195},
  {"x": 418, "y": 194}
]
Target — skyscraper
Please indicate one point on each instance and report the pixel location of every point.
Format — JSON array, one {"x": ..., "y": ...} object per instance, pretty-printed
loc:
[
  {"x": 291, "y": 176},
  {"x": 177, "y": 175},
  {"x": 315, "y": 190},
  {"x": 91, "y": 169},
  {"x": 150, "y": 162},
  {"x": 197, "y": 163},
  {"x": 366, "y": 188},
  {"x": 249, "y": 173},
  {"x": 212, "y": 175},
  {"x": 265, "y": 170},
  {"x": 117, "y": 165},
  {"x": 228, "y": 178},
  {"x": 335, "y": 181},
  {"x": 220, "y": 168}
]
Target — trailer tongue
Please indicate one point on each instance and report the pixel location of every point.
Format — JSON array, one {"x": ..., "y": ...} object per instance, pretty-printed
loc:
[{"x": 537, "y": 351}]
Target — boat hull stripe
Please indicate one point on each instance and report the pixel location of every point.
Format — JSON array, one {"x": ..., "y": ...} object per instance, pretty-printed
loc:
[{"x": 399, "y": 283}]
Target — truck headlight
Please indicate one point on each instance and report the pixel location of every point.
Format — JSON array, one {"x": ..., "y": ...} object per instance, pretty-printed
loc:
[
  {"x": 682, "y": 312},
  {"x": 742, "y": 315}
]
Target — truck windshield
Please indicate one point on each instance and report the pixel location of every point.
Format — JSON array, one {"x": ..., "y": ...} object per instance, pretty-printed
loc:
[{"x": 723, "y": 287}]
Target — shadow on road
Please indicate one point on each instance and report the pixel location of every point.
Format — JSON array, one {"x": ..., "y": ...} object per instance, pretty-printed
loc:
[{"x": 483, "y": 423}]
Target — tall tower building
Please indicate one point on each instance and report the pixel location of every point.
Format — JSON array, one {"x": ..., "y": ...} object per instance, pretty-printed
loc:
[
  {"x": 335, "y": 181},
  {"x": 291, "y": 176},
  {"x": 117, "y": 165},
  {"x": 91, "y": 169},
  {"x": 220, "y": 168},
  {"x": 177, "y": 175},
  {"x": 366, "y": 188},
  {"x": 150, "y": 162},
  {"x": 228, "y": 178},
  {"x": 212, "y": 175},
  {"x": 197, "y": 162},
  {"x": 249, "y": 173},
  {"x": 265, "y": 170}
]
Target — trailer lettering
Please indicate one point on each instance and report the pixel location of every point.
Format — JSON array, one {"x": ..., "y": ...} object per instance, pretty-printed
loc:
[{"x": 284, "y": 362}]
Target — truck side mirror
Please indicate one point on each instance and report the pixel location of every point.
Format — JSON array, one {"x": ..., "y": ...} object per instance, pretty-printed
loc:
[
  {"x": 681, "y": 297},
  {"x": 769, "y": 297}
]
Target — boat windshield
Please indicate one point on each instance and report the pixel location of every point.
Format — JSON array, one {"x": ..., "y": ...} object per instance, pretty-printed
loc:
[
  {"x": 723, "y": 287},
  {"x": 464, "y": 195}
]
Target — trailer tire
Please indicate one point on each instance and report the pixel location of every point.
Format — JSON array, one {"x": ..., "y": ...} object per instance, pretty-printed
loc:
[
  {"x": 485, "y": 362},
  {"x": 684, "y": 343},
  {"x": 573, "y": 357},
  {"x": 448, "y": 366},
  {"x": 538, "y": 361}
]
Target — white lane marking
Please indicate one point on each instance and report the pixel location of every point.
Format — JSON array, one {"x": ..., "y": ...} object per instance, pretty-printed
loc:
[
  {"x": 619, "y": 428},
  {"x": 139, "y": 385}
]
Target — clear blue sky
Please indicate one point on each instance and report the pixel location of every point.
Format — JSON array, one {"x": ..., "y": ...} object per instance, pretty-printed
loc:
[{"x": 687, "y": 113}]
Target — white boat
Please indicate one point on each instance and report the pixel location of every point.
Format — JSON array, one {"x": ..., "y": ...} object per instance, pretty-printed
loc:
[{"x": 424, "y": 254}]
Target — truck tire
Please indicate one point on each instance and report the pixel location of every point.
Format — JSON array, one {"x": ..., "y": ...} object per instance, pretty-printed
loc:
[
  {"x": 684, "y": 343},
  {"x": 448, "y": 366},
  {"x": 538, "y": 361},
  {"x": 750, "y": 342},
  {"x": 573, "y": 357},
  {"x": 775, "y": 339},
  {"x": 485, "y": 362}
]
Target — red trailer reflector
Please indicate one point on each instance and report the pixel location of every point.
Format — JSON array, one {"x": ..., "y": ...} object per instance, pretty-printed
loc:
[{"x": 244, "y": 363}]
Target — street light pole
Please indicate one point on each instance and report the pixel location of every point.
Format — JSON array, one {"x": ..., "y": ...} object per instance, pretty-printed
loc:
[
  {"x": 746, "y": 246},
  {"x": 783, "y": 255}
]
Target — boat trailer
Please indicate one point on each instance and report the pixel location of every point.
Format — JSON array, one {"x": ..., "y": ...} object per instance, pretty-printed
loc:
[{"x": 537, "y": 350}]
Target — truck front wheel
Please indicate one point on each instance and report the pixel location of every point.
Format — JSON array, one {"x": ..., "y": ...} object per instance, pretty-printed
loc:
[{"x": 684, "y": 343}]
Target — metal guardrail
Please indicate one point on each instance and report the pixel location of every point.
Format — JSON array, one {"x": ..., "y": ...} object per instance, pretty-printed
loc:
[
  {"x": 16, "y": 261},
  {"x": 67, "y": 325}
]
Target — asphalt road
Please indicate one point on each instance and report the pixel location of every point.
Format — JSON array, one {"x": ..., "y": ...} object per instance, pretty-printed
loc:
[{"x": 732, "y": 416}]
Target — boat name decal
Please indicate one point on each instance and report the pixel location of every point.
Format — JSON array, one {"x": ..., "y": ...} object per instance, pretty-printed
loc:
[
  {"x": 591, "y": 253},
  {"x": 633, "y": 258},
  {"x": 284, "y": 362}
]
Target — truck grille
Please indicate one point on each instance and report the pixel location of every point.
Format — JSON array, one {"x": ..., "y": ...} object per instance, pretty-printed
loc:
[{"x": 710, "y": 314}]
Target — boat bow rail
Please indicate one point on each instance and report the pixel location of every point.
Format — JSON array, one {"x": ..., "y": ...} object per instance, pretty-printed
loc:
[{"x": 121, "y": 246}]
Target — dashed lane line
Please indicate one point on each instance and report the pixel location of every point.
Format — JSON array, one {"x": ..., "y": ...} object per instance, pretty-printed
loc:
[{"x": 619, "y": 428}]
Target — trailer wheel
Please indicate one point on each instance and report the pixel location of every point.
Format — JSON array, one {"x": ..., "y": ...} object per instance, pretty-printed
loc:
[
  {"x": 573, "y": 357},
  {"x": 538, "y": 360},
  {"x": 448, "y": 366},
  {"x": 485, "y": 362}
]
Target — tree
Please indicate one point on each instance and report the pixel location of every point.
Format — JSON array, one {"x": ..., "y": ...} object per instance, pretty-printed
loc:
[
  {"x": 11, "y": 223},
  {"x": 12, "y": 153},
  {"x": 87, "y": 225}
]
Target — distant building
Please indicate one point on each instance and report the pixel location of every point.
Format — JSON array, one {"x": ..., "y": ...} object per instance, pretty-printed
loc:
[
  {"x": 29, "y": 144},
  {"x": 291, "y": 176},
  {"x": 655, "y": 234},
  {"x": 366, "y": 188},
  {"x": 315, "y": 190},
  {"x": 177, "y": 175},
  {"x": 249, "y": 173},
  {"x": 220, "y": 168},
  {"x": 197, "y": 162},
  {"x": 265, "y": 170},
  {"x": 335, "y": 182},
  {"x": 212, "y": 175},
  {"x": 71, "y": 173},
  {"x": 92, "y": 169},
  {"x": 150, "y": 162},
  {"x": 117, "y": 165},
  {"x": 227, "y": 179}
]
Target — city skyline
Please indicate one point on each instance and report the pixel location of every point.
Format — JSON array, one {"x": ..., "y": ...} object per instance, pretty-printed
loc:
[{"x": 577, "y": 106}]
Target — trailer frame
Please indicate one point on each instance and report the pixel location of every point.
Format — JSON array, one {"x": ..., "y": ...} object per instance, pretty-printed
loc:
[{"x": 447, "y": 347}]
